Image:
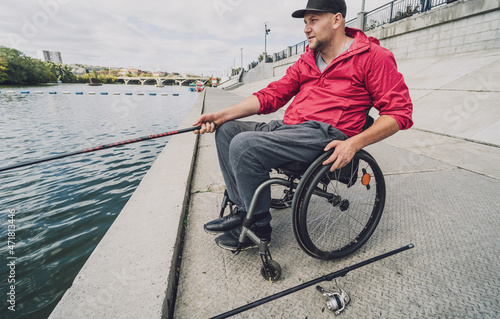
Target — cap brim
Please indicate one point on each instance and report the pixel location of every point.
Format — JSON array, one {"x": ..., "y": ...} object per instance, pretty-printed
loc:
[{"x": 302, "y": 13}]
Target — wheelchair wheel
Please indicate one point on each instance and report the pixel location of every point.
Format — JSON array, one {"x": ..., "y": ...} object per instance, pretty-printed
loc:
[
  {"x": 271, "y": 272},
  {"x": 334, "y": 213}
]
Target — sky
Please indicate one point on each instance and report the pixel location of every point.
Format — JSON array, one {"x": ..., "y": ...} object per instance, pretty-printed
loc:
[{"x": 196, "y": 37}]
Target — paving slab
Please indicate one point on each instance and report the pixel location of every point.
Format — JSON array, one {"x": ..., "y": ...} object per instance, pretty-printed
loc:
[{"x": 475, "y": 157}]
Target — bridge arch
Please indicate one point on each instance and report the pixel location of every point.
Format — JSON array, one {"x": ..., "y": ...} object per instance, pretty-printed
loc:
[{"x": 148, "y": 81}]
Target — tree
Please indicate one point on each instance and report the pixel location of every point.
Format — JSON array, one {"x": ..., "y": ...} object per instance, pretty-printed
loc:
[
  {"x": 21, "y": 69},
  {"x": 15, "y": 65},
  {"x": 3, "y": 71},
  {"x": 64, "y": 74}
]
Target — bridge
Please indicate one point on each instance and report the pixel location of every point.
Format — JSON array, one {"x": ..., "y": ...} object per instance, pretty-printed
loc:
[{"x": 162, "y": 80}]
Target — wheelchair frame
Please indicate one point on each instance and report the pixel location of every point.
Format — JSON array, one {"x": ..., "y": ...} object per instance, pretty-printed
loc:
[
  {"x": 335, "y": 195},
  {"x": 336, "y": 203}
]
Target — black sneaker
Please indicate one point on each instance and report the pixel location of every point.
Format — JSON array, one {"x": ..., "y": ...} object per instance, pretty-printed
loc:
[
  {"x": 229, "y": 240},
  {"x": 225, "y": 223}
]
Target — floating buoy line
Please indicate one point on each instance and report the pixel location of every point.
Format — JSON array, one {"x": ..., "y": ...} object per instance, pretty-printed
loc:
[{"x": 81, "y": 93}]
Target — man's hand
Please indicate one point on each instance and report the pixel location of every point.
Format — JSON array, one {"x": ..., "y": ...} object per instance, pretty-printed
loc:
[
  {"x": 208, "y": 124},
  {"x": 383, "y": 127},
  {"x": 343, "y": 154}
]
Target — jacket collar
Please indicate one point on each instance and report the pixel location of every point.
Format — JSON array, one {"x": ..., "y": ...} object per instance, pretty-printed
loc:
[{"x": 360, "y": 44}]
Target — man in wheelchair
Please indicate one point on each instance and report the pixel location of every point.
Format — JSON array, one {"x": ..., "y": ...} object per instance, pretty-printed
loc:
[{"x": 342, "y": 74}]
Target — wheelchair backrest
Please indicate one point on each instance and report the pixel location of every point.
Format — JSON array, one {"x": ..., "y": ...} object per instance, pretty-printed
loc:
[{"x": 369, "y": 120}]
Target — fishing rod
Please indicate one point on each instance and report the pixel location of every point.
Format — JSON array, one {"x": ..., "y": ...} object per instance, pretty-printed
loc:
[
  {"x": 329, "y": 277},
  {"x": 100, "y": 147}
]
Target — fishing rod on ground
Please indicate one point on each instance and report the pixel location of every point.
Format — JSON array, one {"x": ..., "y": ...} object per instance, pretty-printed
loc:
[
  {"x": 329, "y": 277},
  {"x": 101, "y": 147}
]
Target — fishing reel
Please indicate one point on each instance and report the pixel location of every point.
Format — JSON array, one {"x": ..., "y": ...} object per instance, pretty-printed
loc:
[{"x": 335, "y": 301}]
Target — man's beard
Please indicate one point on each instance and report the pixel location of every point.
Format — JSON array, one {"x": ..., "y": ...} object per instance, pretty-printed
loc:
[{"x": 317, "y": 45}]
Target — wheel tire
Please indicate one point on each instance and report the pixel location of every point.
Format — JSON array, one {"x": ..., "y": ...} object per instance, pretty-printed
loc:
[
  {"x": 332, "y": 219},
  {"x": 274, "y": 268}
]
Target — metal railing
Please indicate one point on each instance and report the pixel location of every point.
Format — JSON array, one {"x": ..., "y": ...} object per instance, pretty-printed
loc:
[
  {"x": 298, "y": 48},
  {"x": 291, "y": 51},
  {"x": 280, "y": 55},
  {"x": 393, "y": 11}
]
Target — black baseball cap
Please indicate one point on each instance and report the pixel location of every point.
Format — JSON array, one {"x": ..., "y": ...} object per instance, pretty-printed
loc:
[{"x": 334, "y": 6}]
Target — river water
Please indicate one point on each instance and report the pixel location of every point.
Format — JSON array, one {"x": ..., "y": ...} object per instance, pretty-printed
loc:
[{"x": 53, "y": 214}]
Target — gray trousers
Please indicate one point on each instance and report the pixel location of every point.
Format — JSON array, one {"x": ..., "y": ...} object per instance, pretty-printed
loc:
[{"x": 247, "y": 152}]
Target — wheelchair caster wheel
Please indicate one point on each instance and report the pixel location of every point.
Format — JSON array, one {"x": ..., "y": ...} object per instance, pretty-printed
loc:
[{"x": 271, "y": 271}]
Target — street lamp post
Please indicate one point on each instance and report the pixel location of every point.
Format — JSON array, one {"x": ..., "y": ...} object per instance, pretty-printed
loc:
[
  {"x": 265, "y": 42},
  {"x": 361, "y": 17},
  {"x": 241, "y": 59}
]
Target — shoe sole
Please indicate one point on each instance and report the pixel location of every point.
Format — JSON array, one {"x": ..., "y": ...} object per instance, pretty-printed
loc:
[
  {"x": 242, "y": 249},
  {"x": 211, "y": 232},
  {"x": 218, "y": 232},
  {"x": 235, "y": 248}
]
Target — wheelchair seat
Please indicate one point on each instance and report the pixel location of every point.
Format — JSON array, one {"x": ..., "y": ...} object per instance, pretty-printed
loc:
[{"x": 293, "y": 168}]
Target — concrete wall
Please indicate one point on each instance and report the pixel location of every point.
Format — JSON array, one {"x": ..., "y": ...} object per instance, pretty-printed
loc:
[
  {"x": 279, "y": 68},
  {"x": 234, "y": 79},
  {"x": 459, "y": 27},
  {"x": 132, "y": 271},
  {"x": 261, "y": 71},
  {"x": 269, "y": 70}
]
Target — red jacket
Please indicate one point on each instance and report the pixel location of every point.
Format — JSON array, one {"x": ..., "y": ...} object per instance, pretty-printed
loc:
[{"x": 366, "y": 75}]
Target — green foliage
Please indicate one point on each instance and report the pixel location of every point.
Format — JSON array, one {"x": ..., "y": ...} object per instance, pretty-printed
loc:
[
  {"x": 3, "y": 71},
  {"x": 66, "y": 76},
  {"x": 21, "y": 69},
  {"x": 108, "y": 78},
  {"x": 209, "y": 82},
  {"x": 17, "y": 68}
]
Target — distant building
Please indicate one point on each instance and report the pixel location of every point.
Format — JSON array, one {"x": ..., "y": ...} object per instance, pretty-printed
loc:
[
  {"x": 50, "y": 56},
  {"x": 129, "y": 72}
]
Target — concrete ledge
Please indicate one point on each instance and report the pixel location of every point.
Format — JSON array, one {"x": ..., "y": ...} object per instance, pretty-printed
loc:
[{"x": 131, "y": 273}]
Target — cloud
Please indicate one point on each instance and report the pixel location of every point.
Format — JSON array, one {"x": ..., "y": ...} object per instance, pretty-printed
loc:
[{"x": 197, "y": 36}]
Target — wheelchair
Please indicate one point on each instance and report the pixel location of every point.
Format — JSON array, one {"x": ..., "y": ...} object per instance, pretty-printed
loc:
[{"x": 333, "y": 213}]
